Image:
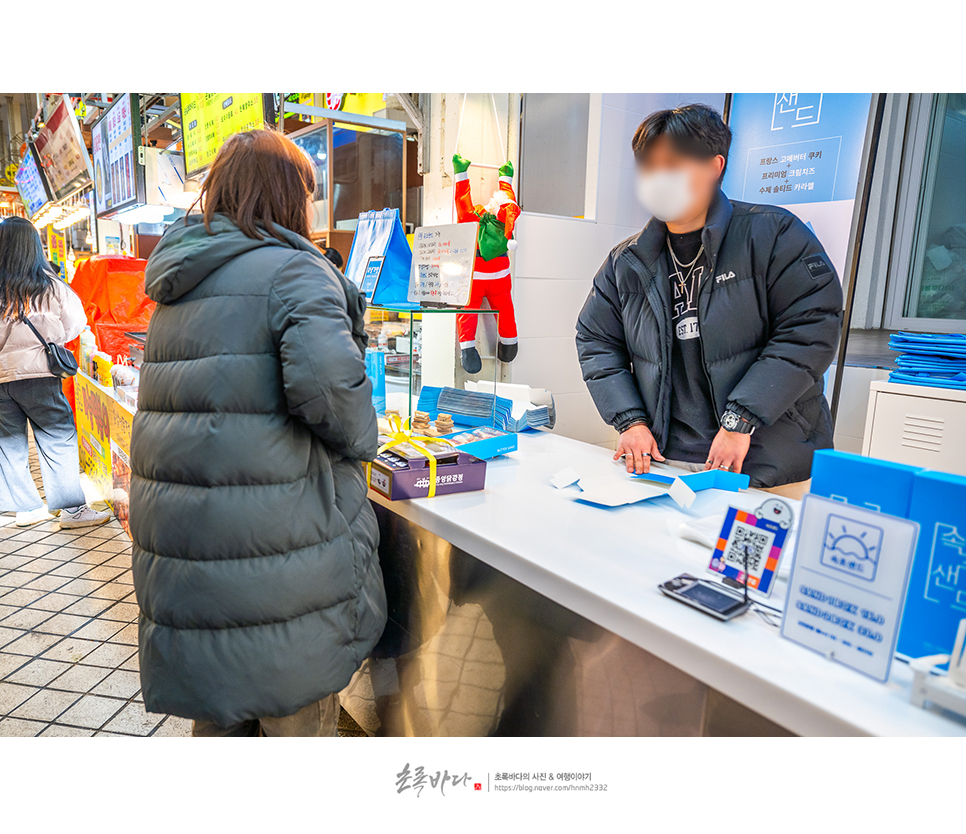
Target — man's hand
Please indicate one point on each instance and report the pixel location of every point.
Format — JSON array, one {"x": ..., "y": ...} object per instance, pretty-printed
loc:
[
  {"x": 728, "y": 451},
  {"x": 460, "y": 165},
  {"x": 638, "y": 446}
]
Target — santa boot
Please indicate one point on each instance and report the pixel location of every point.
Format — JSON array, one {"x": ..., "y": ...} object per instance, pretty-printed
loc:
[
  {"x": 507, "y": 353},
  {"x": 471, "y": 361}
]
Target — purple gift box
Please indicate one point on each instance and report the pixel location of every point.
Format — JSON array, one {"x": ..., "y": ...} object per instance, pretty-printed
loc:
[{"x": 400, "y": 476}]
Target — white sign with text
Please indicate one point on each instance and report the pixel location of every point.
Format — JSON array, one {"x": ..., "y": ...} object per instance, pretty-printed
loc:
[
  {"x": 848, "y": 583},
  {"x": 443, "y": 258}
]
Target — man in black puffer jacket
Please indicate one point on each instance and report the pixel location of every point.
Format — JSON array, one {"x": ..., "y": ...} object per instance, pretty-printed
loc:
[
  {"x": 705, "y": 338},
  {"x": 255, "y": 558}
]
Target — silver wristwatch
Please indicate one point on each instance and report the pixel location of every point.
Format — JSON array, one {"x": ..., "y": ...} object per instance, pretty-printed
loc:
[{"x": 732, "y": 421}]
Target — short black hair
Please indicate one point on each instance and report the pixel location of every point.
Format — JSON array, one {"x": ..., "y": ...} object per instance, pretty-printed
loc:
[
  {"x": 334, "y": 256},
  {"x": 695, "y": 130}
]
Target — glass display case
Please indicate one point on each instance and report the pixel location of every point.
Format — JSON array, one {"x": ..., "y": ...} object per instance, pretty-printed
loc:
[
  {"x": 359, "y": 166},
  {"x": 397, "y": 335}
]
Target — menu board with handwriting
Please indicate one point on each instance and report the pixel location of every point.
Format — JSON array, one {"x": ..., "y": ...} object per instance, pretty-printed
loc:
[
  {"x": 208, "y": 119},
  {"x": 443, "y": 258}
]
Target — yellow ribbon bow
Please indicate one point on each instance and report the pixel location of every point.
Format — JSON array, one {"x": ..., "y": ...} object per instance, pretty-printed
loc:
[{"x": 402, "y": 433}]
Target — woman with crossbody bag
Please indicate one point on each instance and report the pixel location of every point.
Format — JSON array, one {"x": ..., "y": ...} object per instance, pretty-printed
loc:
[{"x": 40, "y": 313}]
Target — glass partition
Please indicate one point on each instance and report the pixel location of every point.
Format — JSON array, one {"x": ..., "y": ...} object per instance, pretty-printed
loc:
[
  {"x": 367, "y": 172},
  {"x": 358, "y": 168},
  {"x": 937, "y": 285}
]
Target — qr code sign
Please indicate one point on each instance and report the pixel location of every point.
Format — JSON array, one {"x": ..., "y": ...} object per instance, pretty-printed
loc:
[{"x": 746, "y": 539}]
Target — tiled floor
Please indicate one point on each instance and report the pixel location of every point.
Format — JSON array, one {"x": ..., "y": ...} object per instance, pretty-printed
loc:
[{"x": 68, "y": 635}]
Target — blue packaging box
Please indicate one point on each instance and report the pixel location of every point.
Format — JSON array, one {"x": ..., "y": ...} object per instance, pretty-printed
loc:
[
  {"x": 865, "y": 482},
  {"x": 486, "y": 443},
  {"x": 376, "y": 371},
  {"x": 936, "y": 599}
]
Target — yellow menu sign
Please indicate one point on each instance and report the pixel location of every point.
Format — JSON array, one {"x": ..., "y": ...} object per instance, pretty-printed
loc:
[{"x": 208, "y": 119}]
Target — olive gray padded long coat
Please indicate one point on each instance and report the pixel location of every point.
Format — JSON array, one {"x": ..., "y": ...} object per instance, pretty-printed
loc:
[{"x": 255, "y": 559}]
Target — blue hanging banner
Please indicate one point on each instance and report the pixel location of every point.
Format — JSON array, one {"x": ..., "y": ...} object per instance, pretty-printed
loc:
[
  {"x": 801, "y": 151},
  {"x": 381, "y": 259}
]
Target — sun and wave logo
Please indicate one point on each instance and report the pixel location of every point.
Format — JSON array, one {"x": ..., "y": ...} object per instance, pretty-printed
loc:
[{"x": 852, "y": 547}]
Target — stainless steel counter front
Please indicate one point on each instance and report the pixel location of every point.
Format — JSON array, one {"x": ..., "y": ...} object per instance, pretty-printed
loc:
[{"x": 517, "y": 611}]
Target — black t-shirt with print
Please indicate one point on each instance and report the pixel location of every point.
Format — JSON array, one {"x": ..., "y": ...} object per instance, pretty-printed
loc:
[{"x": 693, "y": 420}]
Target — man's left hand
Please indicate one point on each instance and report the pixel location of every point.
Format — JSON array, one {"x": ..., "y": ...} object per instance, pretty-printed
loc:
[{"x": 728, "y": 451}]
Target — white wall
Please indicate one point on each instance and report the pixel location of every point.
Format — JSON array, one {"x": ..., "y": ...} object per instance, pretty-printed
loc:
[{"x": 558, "y": 257}]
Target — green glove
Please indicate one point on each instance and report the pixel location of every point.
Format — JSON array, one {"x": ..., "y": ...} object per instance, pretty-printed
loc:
[
  {"x": 507, "y": 170},
  {"x": 460, "y": 165}
]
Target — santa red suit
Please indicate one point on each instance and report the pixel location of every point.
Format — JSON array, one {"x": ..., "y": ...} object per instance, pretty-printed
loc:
[{"x": 491, "y": 275}]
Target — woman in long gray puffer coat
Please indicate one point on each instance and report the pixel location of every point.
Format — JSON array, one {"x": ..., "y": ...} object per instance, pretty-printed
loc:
[{"x": 255, "y": 559}]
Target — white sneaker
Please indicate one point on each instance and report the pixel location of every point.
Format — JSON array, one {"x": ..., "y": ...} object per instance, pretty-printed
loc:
[
  {"x": 83, "y": 516},
  {"x": 33, "y": 517}
]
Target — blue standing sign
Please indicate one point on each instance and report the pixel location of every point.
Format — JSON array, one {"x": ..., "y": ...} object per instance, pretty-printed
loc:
[
  {"x": 936, "y": 601},
  {"x": 380, "y": 259}
]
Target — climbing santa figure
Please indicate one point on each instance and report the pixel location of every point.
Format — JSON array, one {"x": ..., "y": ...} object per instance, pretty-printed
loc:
[{"x": 491, "y": 271}]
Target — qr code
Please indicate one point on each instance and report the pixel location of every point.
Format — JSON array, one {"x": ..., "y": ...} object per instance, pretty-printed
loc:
[{"x": 748, "y": 540}]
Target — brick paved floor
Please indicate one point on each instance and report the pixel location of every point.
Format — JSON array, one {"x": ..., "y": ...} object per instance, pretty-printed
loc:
[{"x": 69, "y": 635}]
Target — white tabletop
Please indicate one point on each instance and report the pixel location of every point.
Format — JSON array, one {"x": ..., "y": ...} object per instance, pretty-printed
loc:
[{"x": 606, "y": 564}]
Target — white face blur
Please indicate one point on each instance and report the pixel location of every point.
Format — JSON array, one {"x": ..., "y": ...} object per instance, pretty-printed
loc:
[{"x": 676, "y": 187}]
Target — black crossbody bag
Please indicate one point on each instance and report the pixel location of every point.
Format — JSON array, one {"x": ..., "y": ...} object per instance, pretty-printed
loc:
[{"x": 60, "y": 361}]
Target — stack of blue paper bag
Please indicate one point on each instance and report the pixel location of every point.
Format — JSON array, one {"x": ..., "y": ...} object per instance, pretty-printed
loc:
[{"x": 933, "y": 359}]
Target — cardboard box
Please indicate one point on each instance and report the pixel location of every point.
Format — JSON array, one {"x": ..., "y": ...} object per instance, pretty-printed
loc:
[{"x": 401, "y": 472}]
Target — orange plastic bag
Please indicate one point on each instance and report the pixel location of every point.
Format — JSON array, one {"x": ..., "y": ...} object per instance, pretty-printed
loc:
[{"x": 112, "y": 290}]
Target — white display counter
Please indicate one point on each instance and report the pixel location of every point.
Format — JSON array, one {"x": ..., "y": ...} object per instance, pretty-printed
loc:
[{"x": 605, "y": 565}]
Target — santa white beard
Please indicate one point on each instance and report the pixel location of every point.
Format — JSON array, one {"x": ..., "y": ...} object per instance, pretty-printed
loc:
[{"x": 497, "y": 200}]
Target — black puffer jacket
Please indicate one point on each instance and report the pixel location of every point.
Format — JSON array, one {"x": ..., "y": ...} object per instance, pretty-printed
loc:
[
  {"x": 770, "y": 314},
  {"x": 255, "y": 559}
]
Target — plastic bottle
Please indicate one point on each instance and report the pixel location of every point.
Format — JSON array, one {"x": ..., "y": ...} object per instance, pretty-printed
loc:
[{"x": 88, "y": 346}]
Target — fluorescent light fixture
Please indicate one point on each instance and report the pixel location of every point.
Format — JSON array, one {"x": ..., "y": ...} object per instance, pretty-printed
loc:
[{"x": 144, "y": 214}]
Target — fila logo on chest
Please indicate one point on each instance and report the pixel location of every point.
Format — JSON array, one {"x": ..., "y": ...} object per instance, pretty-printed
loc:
[{"x": 724, "y": 276}]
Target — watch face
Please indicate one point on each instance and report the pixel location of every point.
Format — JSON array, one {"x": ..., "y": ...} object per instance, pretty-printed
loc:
[{"x": 730, "y": 421}]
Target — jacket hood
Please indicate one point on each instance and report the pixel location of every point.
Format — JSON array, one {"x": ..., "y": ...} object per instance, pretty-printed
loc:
[{"x": 187, "y": 254}]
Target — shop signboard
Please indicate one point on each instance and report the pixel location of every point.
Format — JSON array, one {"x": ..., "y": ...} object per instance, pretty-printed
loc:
[
  {"x": 848, "y": 584},
  {"x": 31, "y": 184},
  {"x": 443, "y": 258},
  {"x": 57, "y": 249},
  {"x": 208, "y": 119},
  {"x": 118, "y": 160},
  {"x": 93, "y": 415},
  {"x": 122, "y": 419},
  {"x": 62, "y": 153},
  {"x": 936, "y": 601},
  {"x": 801, "y": 151}
]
